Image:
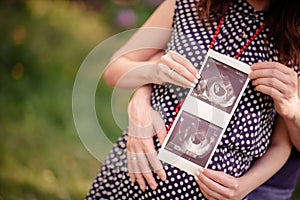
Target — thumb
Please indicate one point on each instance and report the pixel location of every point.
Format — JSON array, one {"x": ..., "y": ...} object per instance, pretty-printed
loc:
[{"x": 158, "y": 125}]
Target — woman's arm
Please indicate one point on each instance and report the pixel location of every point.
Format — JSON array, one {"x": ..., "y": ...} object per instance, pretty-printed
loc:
[
  {"x": 218, "y": 185},
  {"x": 275, "y": 157},
  {"x": 132, "y": 59},
  {"x": 293, "y": 123},
  {"x": 132, "y": 66}
]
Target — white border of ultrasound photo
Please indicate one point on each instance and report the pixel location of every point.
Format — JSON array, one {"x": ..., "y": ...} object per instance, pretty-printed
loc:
[{"x": 213, "y": 114}]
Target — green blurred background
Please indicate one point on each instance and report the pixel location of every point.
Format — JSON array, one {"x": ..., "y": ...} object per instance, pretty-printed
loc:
[{"x": 42, "y": 45}]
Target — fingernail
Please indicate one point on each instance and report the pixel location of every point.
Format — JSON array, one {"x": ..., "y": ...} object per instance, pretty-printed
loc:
[
  {"x": 196, "y": 81},
  {"x": 153, "y": 186},
  {"x": 164, "y": 177},
  {"x": 196, "y": 178},
  {"x": 172, "y": 51},
  {"x": 142, "y": 187},
  {"x": 199, "y": 171},
  {"x": 249, "y": 75},
  {"x": 198, "y": 76},
  {"x": 193, "y": 85}
]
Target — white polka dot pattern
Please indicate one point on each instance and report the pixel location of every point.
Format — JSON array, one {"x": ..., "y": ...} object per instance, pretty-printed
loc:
[
  {"x": 249, "y": 130},
  {"x": 248, "y": 133}
]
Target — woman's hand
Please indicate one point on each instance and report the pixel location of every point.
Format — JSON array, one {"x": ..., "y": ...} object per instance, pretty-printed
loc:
[
  {"x": 280, "y": 82},
  {"x": 217, "y": 185},
  {"x": 176, "y": 69},
  {"x": 144, "y": 123}
]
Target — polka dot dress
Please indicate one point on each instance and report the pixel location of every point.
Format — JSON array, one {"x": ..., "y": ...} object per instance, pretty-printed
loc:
[{"x": 248, "y": 133}]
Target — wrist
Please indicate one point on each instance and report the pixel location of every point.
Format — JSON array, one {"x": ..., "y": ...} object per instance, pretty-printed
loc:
[
  {"x": 294, "y": 116},
  {"x": 141, "y": 97},
  {"x": 245, "y": 188},
  {"x": 151, "y": 73},
  {"x": 143, "y": 93}
]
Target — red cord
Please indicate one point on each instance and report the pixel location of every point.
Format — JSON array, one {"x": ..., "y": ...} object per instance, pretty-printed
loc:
[{"x": 245, "y": 46}]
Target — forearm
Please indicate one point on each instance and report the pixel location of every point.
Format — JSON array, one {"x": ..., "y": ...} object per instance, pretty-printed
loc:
[
  {"x": 143, "y": 94},
  {"x": 133, "y": 65},
  {"x": 128, "y": 74},
  {"x": 140, "y": 103},
  {"x": 125, "y": 72},
  {"x": 266, "y": 166},
  {"x": 292, "y": 120},
  {"x": 293, "y": 126}
]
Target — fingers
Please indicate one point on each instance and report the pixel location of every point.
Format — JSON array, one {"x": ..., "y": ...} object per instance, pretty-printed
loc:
[
  {"x": 268, "y": 73},
  {"x": 271, "y": 65},
  {"x": 209, "y": 187},
  {"x": 178, "y": 69},
  {"x": 141, "y": 152},
  {"x": 157, "y": 166},
  {"x": 181, "y": 65},
  {"x": 221, "y": 178},
  {"x": 272, "y": 70},
  {"x": 274, "y": 79},
  {"x": 171, "y": 76},
  {"x": 134, "y": 171},
  {"x": 161, "y": 131},
  {"x": 274, "y": 83},
  {"x": 130, "y": 161},
  {"x": 139, "y": 170},
  {"x": 275, "y": 93},
  {"x": 144, "y": 168},
  {"x": 207, "y": 192},
  {"x": 161, "y": 135},
  {"x": 217, "y": 185},
  {"x": 158, "y": 125}
]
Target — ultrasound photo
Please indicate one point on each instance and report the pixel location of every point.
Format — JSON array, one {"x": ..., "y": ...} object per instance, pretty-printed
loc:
[
  {"x": 193, "y": 138},
  {"x": 219, "y": 85}
]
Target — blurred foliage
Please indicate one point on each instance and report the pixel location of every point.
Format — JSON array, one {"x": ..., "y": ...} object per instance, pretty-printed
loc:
[{"x": 42, "y": 45}]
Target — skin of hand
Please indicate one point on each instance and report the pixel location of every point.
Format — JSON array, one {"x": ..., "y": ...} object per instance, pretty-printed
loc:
[
  {"x": 176, "y": 69},
  {"x": 280, "y": 82},
  {"x": 141, "y": 146},
  {"x": 216, "y": 185},
  {"x": 147, "y": 120},
  {"x": 283, "y": 85}
]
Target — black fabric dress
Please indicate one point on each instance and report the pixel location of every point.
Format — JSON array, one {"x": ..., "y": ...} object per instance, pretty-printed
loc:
[{"x": 249, "y": 131}]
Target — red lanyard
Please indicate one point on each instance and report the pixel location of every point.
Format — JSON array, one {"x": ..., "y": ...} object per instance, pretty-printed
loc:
[{"x": 245, "y": 46}]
